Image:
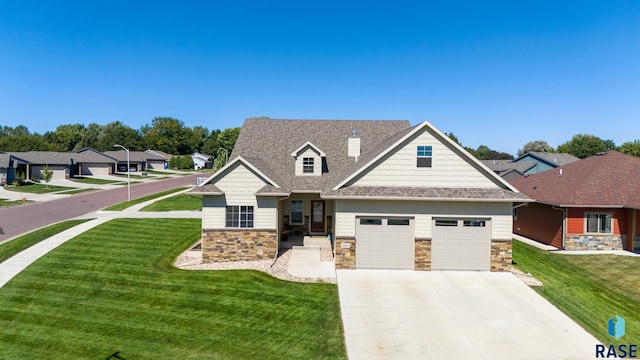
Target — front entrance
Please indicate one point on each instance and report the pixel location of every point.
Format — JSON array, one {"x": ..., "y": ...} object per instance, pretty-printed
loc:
[{"x": 317, "y": 216}]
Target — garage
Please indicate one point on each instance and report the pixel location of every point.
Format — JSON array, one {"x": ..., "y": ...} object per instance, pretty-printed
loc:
[
  {"x": 384, "y": 242},
  {"x": 461, "y": 244},
  {"x": 60, "y": 172},
  {"x": 95, "y": 169}
]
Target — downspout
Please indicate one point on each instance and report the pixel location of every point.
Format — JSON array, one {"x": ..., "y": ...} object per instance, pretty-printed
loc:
[
  {"x": 564, "y": 221},
  {"x": 633, "y": 230}
]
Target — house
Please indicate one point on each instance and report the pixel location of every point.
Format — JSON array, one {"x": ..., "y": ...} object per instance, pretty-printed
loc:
[
  {"x": 543, "y": 161},
  {"x": 156, "y": 163},
  {"x": 507, "y": 169},
  {"x": 589, "y": 204},
  {"x": 201, "y": 161},
  {"x": 63, "y": 164},
  {"x": 138, "y": 160},
  {"x": 387, "y": 194}
]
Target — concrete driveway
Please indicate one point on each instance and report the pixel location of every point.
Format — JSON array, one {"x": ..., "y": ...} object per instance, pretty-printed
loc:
[{"x": 453, "y": 315}]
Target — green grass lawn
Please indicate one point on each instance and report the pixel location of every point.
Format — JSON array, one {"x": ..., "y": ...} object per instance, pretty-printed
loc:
[
  {"x": 126, "y": 204},
  {"x": 588, "y": 288},
  {"x": 99, "y": 294},
  {"x": 76, "y": 191},
  {"x": 34, "y": 188},
  {"x": 178, "y": 202},
  {"x": 5, "y": 202},
  {"x": 94, "y": 181},
  {"x": 16, "y": 245}
]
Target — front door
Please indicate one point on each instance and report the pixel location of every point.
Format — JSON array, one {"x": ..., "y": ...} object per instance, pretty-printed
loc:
[{"x": 317, "y": 216}]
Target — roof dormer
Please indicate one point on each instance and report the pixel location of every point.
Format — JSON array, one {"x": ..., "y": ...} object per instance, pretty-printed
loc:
[{"x": 309, "y": 159}]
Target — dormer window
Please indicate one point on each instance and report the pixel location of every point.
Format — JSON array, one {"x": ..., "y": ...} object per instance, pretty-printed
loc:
[
  {"x": 307, "y": 165},
  {"x": 425, "y": 153}
]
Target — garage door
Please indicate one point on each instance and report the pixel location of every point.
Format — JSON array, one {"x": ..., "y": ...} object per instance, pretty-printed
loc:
[
  {"x": 96, "y": 169},
  {"x": 461, "y": 244},
  {"x": 384, "y": 243}
]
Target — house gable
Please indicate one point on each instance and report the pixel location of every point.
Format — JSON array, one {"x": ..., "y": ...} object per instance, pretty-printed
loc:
[
  {"x": 308, "y": 160},
  {"x": 425, "y": 158}
]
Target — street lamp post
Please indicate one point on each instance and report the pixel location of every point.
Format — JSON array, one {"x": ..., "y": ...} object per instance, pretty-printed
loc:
[
  {"x": 226, "y": 155},
  {"x": 128, "y": 171}
]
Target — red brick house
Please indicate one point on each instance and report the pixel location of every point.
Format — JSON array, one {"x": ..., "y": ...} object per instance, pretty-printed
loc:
[{"x": 591, "y": 204}]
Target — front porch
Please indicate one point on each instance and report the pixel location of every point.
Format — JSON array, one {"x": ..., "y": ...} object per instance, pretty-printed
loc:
[{"x": 305, "y": 214}]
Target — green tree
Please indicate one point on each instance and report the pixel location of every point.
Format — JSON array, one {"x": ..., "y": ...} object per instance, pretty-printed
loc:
[
  {"x": 46, "y": 174},
  {"x": 227, "y": 138},
  {"x": 630, "y": 148},
  {"x": 211, "y": 146},
  {"x": 118, "y": 133},
  {"x": 65, "y": 136},
  {"x": 584, "y": 145},
  {"x": 186, "y": 162},
  {"x": 536, "y": 146},
  {"x": 169, "y": 135}
]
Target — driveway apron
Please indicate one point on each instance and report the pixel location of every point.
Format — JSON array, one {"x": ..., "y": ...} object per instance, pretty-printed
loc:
[{"x": 453, "y": 315}]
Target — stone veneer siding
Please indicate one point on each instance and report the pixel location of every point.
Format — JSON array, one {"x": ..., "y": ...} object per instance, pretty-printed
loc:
[
  {"x": 345, "y": 257},
  {"x": 594, "y": 242},
  {"x": 501, "y": 255},
  {"x": 636, "y": 244},
  {"x": 422, "y": 254},
  {"x": 224, "y": 245}
]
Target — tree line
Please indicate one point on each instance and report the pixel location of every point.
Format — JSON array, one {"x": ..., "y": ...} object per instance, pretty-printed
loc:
[
  {"x": 163, "y": 133},
  {"x": 581, "y": 146}
]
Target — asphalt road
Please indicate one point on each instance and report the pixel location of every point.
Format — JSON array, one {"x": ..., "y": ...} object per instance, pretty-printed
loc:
[{"x": 18, "y": 220}]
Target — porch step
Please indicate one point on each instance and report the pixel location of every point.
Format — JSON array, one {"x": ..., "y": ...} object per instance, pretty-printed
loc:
[{"x": 298, "y": 247}]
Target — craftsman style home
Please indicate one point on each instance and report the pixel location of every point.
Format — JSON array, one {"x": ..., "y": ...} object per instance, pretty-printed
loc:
[
  {"x": 388, "y": 195},
  {"x": 591, "y": 204}
]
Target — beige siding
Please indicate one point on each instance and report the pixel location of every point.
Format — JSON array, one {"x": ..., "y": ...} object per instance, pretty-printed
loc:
[
  {"x": 239, "y": 185},
  {"x": 423, "y": 212},
  {"x": 448, "y": 169},
  {"x": 308, "y": 152}
]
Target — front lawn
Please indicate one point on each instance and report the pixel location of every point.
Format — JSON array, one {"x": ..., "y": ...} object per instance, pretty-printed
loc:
[
  {"x": 99, "y": 294},
  {"x": 178, "y": 202},
  {"x": 5, "y": 202},
  {"x": 35, "y": 188},
  {"x": 588, "y": 288},
  {"x": 123, "y": 205}
]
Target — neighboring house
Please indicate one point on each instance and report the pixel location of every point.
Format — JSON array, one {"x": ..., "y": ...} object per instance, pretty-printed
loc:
[
  {"x": 507, "y": 169},
  {"x": 156, "y": 163},
  {"x": 202, "y": 161},
  {"x": 591, "y": 204},
  {"x": 63, "y": 164},
  {"x": 544, "y": 161},
  {"x": 138, "y": 160},
  {"x": 387, "y": 194}
]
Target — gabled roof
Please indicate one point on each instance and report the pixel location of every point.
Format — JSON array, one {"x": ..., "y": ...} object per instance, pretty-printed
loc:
[
  {"x": 503, "y": 167},
  {"x": 163, "y": 154},
  {"x": 62, "y": 158},
  {"x": 134, "y": 156},
  {"x": 248, "y": 163},
  {"x": 308, "y": 143},
  {"x": 201, "y": 156},
  {"x": 551, "y": 159},
  {"x": 610, "y": 179}
]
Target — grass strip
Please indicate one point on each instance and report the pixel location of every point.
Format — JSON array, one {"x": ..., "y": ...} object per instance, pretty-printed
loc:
[
  {"x": 33, "y": 188},
  {"x": 98, "y": 294},
  {"x": 590, "y": 289},
  {"x": 76, "y": 191},
  {"x": 178, "y": 202},
  {"x": 5, "y": 202},
  {"x": 23, "y": 242},
  {"x": 123, "y": 205},
  {"x": 93, "y": 181}
]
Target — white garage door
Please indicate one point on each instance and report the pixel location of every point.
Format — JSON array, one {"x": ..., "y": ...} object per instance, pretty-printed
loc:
[
  {"x": 461, "y": 244},
  {"x": 384, "y": 243},
  {"x": 96, "y": 169}
]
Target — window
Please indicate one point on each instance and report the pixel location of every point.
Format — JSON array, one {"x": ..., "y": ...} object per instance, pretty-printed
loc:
[
  {"x": 365, "y": 221},
  {"x": 474, "y": 223},
  {"x": 239, "y": 216},
  {"x": 424, "y": 156},
  {"x": 307, "y": 165},
  {"x": 446, "y": 222},
  {"x": 599, "y": 223},
  {"x": 398, "y": 222},
  {"x": 296, "y": 212}
]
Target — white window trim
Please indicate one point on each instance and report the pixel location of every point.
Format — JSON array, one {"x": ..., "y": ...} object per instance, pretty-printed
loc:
[
  {"x": 312, "y": 165},
  {"x": 253, "y": 212},
  {"x": 586, "y": 228}
]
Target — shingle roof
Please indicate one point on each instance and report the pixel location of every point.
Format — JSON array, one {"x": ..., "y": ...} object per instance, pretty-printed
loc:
[
  {"x": 426, "y": 193},
  {"x": 611, "y": 179},
  {"x": 272, "y": 141},
  {"x": 502, "y": 167},
  {"x": 4, "y": 160},
  {"x": 62, "y": 158},
  {"x": 163, "y": 154},
  {"x": 134, "y": 156},
  {"x": 553, "y": 159},
  {"x": 207, "y": 189}
]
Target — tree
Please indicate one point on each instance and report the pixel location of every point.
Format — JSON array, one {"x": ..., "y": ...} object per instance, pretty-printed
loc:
[
  {"x": 630, "y": 148},
  {"x": 584, "y": 145},
  {"x": 118, "y": 133},
  {"x": 227, "y": 138},
  {"x": 536, "y": 146},
  {"x": 46, "y": 174},
  {"x": 169, "y": 135},
  {"x": 65, "y": 136}
]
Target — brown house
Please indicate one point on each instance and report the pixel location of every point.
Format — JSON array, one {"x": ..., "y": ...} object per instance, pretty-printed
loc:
[{"x": 591, "y": 204}]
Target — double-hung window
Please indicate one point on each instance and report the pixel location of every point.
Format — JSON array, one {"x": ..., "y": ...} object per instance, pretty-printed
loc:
[
  {"x": 239, "y": 216},
  {"x": 598, "y": 223},
  {"x": 296, "y": 212},
  {"x": 425, "y": 153},
  {"x": 307, "y": 165}
]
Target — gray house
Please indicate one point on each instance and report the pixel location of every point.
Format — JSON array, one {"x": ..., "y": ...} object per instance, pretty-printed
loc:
[
  {"x": 528, "y": 164},
  {"x": 63, "y": 164}
]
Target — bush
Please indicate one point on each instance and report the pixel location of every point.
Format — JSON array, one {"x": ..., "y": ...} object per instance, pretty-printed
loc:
[{"x": 35, "y": 179}]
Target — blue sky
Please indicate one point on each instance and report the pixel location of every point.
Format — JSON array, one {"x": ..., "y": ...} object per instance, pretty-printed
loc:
[{"x": 498, "y": 73}]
